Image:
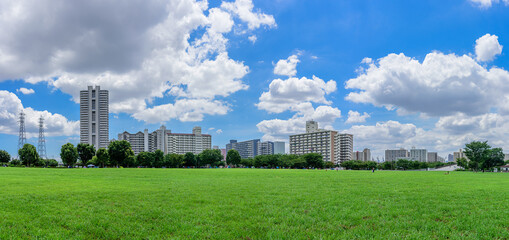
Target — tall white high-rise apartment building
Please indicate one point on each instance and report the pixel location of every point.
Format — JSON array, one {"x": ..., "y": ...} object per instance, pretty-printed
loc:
[
  {"x": 332, "y": 146},
  {"x": 420, "y": 155},
  {"x": 94, "y": 119},
  {"x": 394, "y": 155},
  {"x": 182, "y": 143},
  {"x": 344, "y": 147}
]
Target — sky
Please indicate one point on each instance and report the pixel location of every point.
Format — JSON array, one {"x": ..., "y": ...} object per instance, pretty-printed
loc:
[{"x": 395, "y": 74}]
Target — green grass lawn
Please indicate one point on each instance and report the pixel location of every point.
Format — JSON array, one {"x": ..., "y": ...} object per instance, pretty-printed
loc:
[{"x": 251, "y": 204}]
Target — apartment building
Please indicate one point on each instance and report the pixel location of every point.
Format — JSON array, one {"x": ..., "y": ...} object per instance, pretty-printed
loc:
[{"x": 94, "y": 118}]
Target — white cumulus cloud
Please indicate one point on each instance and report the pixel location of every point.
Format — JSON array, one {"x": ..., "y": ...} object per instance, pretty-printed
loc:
[
  {"x": 356, "y": 117},
  {"x": 442, "y": 85},
  {"x": 487, "y": 47},
  {"x": 160, "y": 48},
  {"x": 287, "y": 67},
  {"x": 25, "y": 91},
  {"x": 55, "y": 124}
]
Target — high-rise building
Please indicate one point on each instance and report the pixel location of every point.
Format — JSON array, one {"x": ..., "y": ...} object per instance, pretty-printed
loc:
[
  {"x": 279, "y": 148},
  {"x": 246, "y": 149},
  {"x": 365, "y": 155},
  {"x": 459, "y": 154},
  {"x": 94, "y": 119},
  {"x": 182, "y": 143},
  {"x": 420, "y": 155},
  {"x": 145, "y": 141},
  {"x": 332, "y": 146},
  {"x": 394, "y": 155},
  {"x": 450, "y": 158},
  {"x": 265, "y": 148},
  {"x": 433, "y": 157},
  {"x": 344, "y": 146}
]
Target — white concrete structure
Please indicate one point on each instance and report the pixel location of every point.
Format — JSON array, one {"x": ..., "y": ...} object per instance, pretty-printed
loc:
[
  {"x": 182, "y": 143},
  {"x": 279, "y": 148},
  {"x": 145, "y": 141},
  {"x": 459, "y": 154},
  {"x": 433, "y": 157},
  {"x": 394, "y": 155},
  {"x": 365, "y": 155},
  {"x": 332, "y": 146},
  {"x": 420, "y": 155},
  {"x": 94, "y": 119},
  {"x": 344, "y": 147}
]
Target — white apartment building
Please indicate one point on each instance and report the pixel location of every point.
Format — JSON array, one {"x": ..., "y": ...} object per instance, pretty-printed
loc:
[
  {"x": 344, "y": 147},
  {"x": 332, "y": 146},
  {"x": 94, "y": 119},
  {"x": 145, "y": 141},
  {"x": 459, "y": 154},
  {"x": 394, "y": 155},
  {"x": 182, "y": 143},
  {"x": 433, "y": 157},
  {"x": 365, "y": 155},
  {"x": 420, "y": 155}
]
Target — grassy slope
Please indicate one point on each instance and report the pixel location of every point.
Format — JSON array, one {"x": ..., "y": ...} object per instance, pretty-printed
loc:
[{"x": 250, "y": 203}]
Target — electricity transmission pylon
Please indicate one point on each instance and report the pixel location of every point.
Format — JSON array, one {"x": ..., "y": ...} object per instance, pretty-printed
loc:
[
  {"x": 41, "y": 148},
  {"x": 22, "y": 136}
]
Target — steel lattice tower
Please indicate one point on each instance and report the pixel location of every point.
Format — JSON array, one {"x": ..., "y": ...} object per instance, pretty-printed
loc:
[
  {"x": 41, "y": 148},
  {"x": 22, "y": 136}
]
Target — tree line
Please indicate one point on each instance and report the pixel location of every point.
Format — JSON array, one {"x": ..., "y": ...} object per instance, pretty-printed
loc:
[{"x": 400, "y": 164}]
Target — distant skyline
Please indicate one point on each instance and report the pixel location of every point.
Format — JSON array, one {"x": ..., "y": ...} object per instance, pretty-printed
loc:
[{"x": 430, "y": 74}]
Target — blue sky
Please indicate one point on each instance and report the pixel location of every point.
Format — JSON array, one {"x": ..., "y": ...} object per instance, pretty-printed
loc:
[{"x": 429, "y": 74}]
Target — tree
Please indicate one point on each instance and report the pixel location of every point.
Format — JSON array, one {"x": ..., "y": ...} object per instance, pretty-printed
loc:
[
  {"x": 102, "y": 157},
  {"x": 462, "y": 162},
  {"x": 189, "y": 159},
  {"x": 313, "y": 160},
  {"x": 247, "y": 162},
  {"x": 145, "y": 159},
  {"x": 85, "y": 152},
  {"x": 210, "y": 156},
  {"x": 496, "y": 158},
  {"x": 5, "y": 157},
  {"x": 403, "y": 164},
  {"x": 174, "y": 160},
  {"x": 69, "y": 154},
  {"x": 233, "y": 157},
  {"x": 28, "y": 155},
  {"x": 50, "y": 163},
  {"x": 477, "y": 152},
  {"x": 121, "y": 154},
  {"x": 260, "y": 161},
  {"x": 158, "y": 156}
]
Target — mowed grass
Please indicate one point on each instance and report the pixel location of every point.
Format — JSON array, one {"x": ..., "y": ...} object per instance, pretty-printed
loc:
[{"x": 251, "y": 204}]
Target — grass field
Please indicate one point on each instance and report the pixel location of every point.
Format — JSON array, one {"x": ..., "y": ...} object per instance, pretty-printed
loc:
[{"x": 251, "y": 204}]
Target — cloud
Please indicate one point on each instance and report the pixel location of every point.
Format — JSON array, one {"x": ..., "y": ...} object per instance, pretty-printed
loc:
[
  {"x": 287, "y": 94},
  {"x": 356, "y": 117},
  {"x": 243, "y": 9},
  {"x": 252, "y": 38},
  {"x": 487, "y": 47},
  {"x": 25, "y": 91},
  {"x": 185, "y": 110},
  {"x": 296, "y": 95},
  {"x": 287, "y": 67},
  {"x": 442, "y": 85},
  {"x": 487, "y": 3},
  {"x": 219, "y": 131},
  {"x": 279, "y": 130},
  {"x": 55, "y": 124},
  {"x": 160, "y": 48}
]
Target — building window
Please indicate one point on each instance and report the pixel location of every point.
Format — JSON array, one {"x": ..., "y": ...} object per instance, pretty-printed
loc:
[
  {"x": 93, "y": 93},
  {"x": 93, "y": 103}
]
